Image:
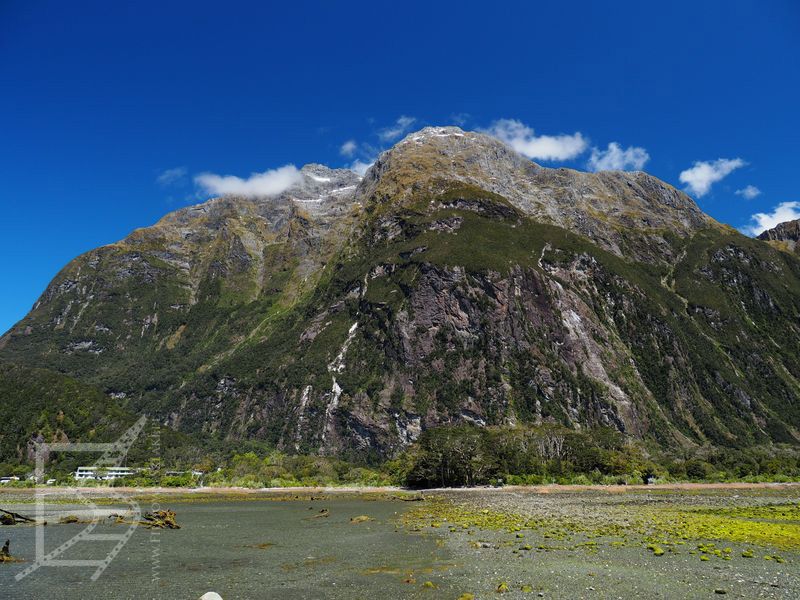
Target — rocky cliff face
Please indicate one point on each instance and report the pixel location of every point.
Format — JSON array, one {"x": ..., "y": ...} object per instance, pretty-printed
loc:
[
  {"x": 785, "y": 236},
  {"x": 456, "y": 282}
]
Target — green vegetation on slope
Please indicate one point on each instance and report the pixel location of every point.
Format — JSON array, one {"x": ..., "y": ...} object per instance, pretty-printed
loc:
[{"x": 36, "y": 403}]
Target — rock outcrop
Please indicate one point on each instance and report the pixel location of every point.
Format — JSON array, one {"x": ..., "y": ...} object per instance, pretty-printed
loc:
[{"x": 784, "y": 235}]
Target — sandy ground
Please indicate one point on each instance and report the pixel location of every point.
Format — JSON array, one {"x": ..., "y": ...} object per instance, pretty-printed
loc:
[
  {"x": 538, "y": 489},
  {"x": 98, "y": 491}
]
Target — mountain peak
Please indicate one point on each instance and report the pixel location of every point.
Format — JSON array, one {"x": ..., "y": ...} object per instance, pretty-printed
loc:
[
  {"x": 597, "y": 205},
  {"x": 788, "y": 230},
  {"x": 427, "y": 134},
  {"x": 426, "y": 157},
  {"x": 320, "y": 180},
  {"x": 786, "y": 234},
  {"x": 451, "y": 139},
  {"x": 325, "y": 174},
  {"x": 437, "y": 130}
]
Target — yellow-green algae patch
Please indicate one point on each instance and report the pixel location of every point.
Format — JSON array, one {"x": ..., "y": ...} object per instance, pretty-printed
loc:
[{"x": 776, "y": 526}]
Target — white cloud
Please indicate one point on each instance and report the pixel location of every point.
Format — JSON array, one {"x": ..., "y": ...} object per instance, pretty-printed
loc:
[
  {"x": 403, "y": 124},
  {"x": 348, "y": 148},
  {"x": 171, "y": 176},
  {"x": 748, "y": 192},
  {"x": 460, "y": 119},
  {"x": 268, "y": 183},
  {"x": 760, "y": 222},
  {"x": 361, "y": 166},
  {"x": 614, "y": 158},
  {"x": 703, "y": 174},
  {"x": 543, "y": 147}
]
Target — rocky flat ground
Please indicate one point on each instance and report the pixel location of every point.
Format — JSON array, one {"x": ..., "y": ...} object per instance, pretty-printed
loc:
[{"x": 595, "y": 543}]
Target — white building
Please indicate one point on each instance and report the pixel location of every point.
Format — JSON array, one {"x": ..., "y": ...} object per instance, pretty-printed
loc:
[{"x": 103, "y": 473}]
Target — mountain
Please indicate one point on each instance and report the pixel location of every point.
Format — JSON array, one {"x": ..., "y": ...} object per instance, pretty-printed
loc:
[
  {"x": 784, "y": 236},
  {"x": 456, "y": 282}
]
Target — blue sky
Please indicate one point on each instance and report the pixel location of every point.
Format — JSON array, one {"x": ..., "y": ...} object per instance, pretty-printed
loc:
[{"x": 109, "y": 110}]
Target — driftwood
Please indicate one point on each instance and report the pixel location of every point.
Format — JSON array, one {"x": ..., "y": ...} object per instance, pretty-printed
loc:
[
  {"x": 5, "y": 553},
  {"x": 322, "y": 514},
  {"x": 361, "y": 519},
  {"x": 69, "y": 519},
  {"x": 417, "y": 498},
  {"x": 160, "y": 519},
  {"x": 12, "y": 518}
]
